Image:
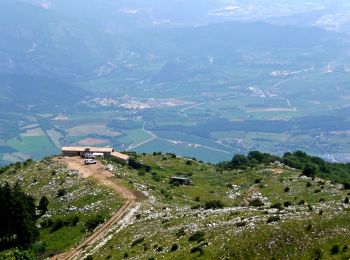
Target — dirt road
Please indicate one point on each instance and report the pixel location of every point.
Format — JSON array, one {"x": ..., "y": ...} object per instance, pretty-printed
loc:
[{"x": 101, "y": 175}]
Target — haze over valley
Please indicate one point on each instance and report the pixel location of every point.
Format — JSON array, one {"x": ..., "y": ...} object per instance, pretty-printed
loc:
[
  {"x": 204, "y": 80},
  {"x": 173, "y": 129}
]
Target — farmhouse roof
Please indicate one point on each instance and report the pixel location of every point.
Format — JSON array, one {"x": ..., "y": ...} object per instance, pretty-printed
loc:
[{"x": 87, "y": 149}]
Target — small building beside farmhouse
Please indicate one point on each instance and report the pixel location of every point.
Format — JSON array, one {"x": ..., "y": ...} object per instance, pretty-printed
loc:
[
  {"x": 180, "y": 180},
  {"x": 121, "y": 157}
]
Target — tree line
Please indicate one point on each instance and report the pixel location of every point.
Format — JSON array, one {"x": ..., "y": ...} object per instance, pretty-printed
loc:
[
  {"x": 17, "y": 218},
  {"x": 311, "y": 166}
]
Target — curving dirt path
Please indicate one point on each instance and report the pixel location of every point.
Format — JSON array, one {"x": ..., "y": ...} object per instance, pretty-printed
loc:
[{"x": 101, "y": 175}]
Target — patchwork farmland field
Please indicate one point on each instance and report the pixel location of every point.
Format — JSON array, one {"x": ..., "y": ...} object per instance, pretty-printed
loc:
[{"x": 260, "y": 113}]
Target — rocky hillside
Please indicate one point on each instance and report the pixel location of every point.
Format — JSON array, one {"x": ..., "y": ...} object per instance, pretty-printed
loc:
[
  {"x": 263, "y": 212},
  {"x": 76, "y": 205}
]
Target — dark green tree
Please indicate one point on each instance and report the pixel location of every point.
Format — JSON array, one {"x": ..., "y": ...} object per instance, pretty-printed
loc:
[
  {"x": 258, "y": 156},
  {"x": 300, "y": 154},
  {"x": 43, "y": 205},
  {"x": 310, "y": 170},
  {"x": 239, "y": 161},
  {"x": 17, "y": 218}
]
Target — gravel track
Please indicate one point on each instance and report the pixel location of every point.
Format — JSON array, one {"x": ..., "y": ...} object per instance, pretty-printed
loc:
[{"x": 98, "y": 173}]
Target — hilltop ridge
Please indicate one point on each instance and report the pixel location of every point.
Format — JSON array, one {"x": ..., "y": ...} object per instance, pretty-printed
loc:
[{"x": 264, "y": 210}]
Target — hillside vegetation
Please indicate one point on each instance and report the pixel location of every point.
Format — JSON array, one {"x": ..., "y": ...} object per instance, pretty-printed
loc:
[
  {"x": 265, "y": 211},
  {"x": 260, "y": 209},
  {"x": 74, "y": 206},
  {"x": 311, "y": 166}
]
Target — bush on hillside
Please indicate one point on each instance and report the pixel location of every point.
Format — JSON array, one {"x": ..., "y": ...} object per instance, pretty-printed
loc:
[
  {"x": 174, "y": 247},
  {"x": 310, "y": 165},
  {"x": 238, "y": 161},
  {"x": 214, "y": 204},
  {"x": 257, "y": 181},
  {"x": 287, "y": 204},
  {"x": 17, "y": 254},
  {"x": 93, "y": 222},
  {"x": 197, "y": 249},
  {"x": 56, "y": 225},
  {"x": 71, "y": 221},
  {"x": 256, "y": 203},
  {"x": 346, "y": 186},
  {"x": 188, "y": 162},
  {"x": 197, "y": 237},
  {"x": 310, "y": 170},
  {"x": 273, "y": 219},
  {"x": 61, "y": 192},
  {"x": 277, "y": 205},
  {"x": 181, "y": 232},
  {"x": 335, "y": 250}
]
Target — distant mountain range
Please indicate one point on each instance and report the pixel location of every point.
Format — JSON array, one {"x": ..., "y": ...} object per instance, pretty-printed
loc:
[
  {"x": 119, "y": 15},
  {"x": 42, "y": 41},
  {"x": 50, "y": 38}
]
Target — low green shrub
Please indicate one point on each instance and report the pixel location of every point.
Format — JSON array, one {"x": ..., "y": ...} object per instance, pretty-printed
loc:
[
  {"x": 61, "y": 193},
  {"x": 174, "y": 247},
  {"x": 241, "y": 224},
  {"x": 346, "y": 186},
  {"x": 257, "y": 181},
  {"x": 181, "y": 232},
  {"x": 277, "y": 205},
  {"x": 335, "y": 250},
  {"x": 93, "y": 222},
  {"x": 197, "y": 237},
  {"x": 308, "y": 227},
  {"x": 214, "y": 204},
  {"x": 256, "y": 203},
  {"x": 273, "y": 219},
  {"x": 56, "y": 225},
  {"x": 197, "y": 249},
  {"x": 287, "y": 204}
]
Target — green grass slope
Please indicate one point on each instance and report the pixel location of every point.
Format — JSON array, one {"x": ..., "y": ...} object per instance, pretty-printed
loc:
[
  {"x": 265, "y": 212},
  {"x": 73, "y": 201},
  {"x": 262, "y": 213}
]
